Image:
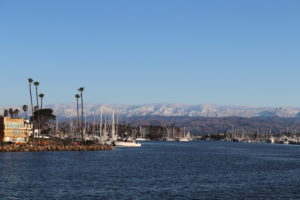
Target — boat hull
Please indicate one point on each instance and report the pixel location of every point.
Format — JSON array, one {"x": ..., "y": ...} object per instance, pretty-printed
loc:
[
  {"x": 127, "y": 144},
  {"x": 141, "y": 139},
  {"x": 184, "y": 140}
]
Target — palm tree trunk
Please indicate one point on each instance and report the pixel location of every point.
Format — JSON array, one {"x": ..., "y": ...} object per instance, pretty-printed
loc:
[
  {"x": 81, "y": 115},
  {"x": 41, "y": 123},
  {"x": 78, "y": 125},
  {"x": 30, "y": 92},
  {"x": 31, "y": 98},
  {"x": 38, "y": 117},
  {"x": 37, "y": 97}
]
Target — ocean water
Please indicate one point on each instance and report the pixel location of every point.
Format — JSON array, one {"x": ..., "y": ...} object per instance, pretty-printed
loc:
[{"x": 158, "y": 170}]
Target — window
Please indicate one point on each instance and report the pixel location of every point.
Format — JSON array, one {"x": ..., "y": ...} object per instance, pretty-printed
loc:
[
  {"x": 17, "y": 132},
  {"x": 13, "y": 125}
]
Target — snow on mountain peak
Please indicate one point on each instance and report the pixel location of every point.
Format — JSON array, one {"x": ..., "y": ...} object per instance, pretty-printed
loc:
[{"x": 203, "y": 110}]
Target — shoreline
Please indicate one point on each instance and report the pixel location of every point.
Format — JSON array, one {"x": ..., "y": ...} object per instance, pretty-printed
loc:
[{"x": 44, "y": 148}]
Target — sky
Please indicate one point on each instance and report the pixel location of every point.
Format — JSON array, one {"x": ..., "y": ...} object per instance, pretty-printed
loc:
[{"x": 152, "y": 51}]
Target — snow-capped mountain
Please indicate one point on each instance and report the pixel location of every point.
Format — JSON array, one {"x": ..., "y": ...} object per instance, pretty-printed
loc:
[{"x": 204, "y": 110}]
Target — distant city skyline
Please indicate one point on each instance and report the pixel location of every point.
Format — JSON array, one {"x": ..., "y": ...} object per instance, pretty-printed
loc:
[{"x": 140, "y": 52}]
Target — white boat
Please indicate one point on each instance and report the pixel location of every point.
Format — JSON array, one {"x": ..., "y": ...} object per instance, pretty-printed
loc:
[
  {"x": 284, "y": 142},
  {"x": 271, "y": 140},
  {"x": 141, "y": 139},
  {"x": 184, "y": 139},
  {"x": 127, "y": 144},
  {"x": 169, "y": 139}
]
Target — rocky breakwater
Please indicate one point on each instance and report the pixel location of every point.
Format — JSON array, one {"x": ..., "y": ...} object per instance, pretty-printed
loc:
[{"x": 53, "y": 147}]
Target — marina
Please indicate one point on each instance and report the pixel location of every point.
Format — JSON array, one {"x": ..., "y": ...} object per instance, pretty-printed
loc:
[
  {"x": 279, "y": 139},
  {"x": 150, "y": 100}
]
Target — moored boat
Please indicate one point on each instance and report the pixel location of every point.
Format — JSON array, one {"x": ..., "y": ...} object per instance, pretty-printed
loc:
[
  {"x": 271, "y": 140},
  {"x": 184, "y": 139},
  {"x": 141, "y": 139},
  {"x": 127, "y": 144}
]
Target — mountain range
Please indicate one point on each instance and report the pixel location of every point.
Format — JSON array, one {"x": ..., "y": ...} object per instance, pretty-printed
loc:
[
  {"x": 204, "y": 110},
  {"x": 168, "y": 110},
  {"x": 199, "y": 119}
]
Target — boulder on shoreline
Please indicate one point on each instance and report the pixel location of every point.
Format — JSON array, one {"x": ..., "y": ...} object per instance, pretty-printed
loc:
[{"x": 48, "y": 147}]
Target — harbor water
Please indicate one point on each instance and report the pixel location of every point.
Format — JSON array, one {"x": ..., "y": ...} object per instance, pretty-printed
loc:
[{"x": 157, "y": 170}]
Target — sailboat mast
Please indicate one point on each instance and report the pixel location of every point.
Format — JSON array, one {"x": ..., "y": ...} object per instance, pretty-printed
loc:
[
  {"x": 56, "y": 126},
  {"x": 105, "y": 128},
  {"x": 84, "y": 124},
  {"x": 100, "y": 122},
  {"x": 173, "y": 132},
  {"x": 117, "y": 125},
  {"x": 94, "y": 125},
  {"x": 113, "y": 130},
  {"x": 70, "y": 124}
]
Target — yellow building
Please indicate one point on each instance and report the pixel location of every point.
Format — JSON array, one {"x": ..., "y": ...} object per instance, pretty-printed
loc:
[{"x": 14, "y": 130}]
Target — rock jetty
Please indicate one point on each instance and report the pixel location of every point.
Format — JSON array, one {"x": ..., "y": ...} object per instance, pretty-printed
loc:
[{"x": 52, "y": 147}]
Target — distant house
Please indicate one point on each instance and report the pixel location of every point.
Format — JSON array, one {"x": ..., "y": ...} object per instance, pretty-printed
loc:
[{"x": 14, "y": 130}]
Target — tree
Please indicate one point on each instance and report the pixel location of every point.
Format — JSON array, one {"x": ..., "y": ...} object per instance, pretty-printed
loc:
[
  {"x": 81, "y": 89},
  {"x": 41, "y": 96},
  {"x": 5, "y": 113},
  {"x": 36, "y": 84},
  {"x": 30, "y": 80},
  {"x": 77, "y": 96},
  {"x": 11, "y": 112},
  {"x": 35, "y": 108},
  {"x": 16, "y": 113},
  {"x": 43, "y": 117},
  {"x": 25, "y": 109}
]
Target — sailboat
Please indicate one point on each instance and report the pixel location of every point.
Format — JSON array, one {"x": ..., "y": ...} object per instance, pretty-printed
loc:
[
  {"x": 186, "y": 137},
  {"x": 170, "y": 139},
  {"x": 125, "y": 142},
  {"x": 103, "y": 130},
  {"x": 142, "y": 135}
]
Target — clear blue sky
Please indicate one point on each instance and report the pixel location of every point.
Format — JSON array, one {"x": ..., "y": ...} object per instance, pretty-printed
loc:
[{"x": 152, "y": 51}]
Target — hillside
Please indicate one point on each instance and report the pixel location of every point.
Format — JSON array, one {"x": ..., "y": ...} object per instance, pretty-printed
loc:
[{"x": 202, "y": 110}]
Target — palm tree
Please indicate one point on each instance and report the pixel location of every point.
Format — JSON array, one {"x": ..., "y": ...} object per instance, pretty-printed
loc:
[
  {"x": 5, "y": 113},
  {"x": 25, "y": 109},
  {"x": 41, "y": 96},
  {"x": 41, "y": 125},
  {"x": 81, "y": 89},
  {"x": 77, "y": 96},
  {"x": 11, "y": 112},
  {"x": 16, "y": 113},
  {"x": 35, "y": 108},
  {"x": 30, "y": 80},
  {"x": 36, "y": 84}
]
